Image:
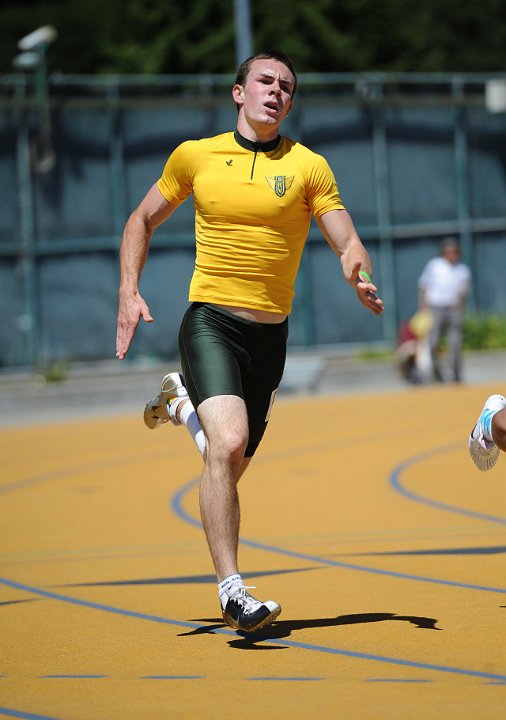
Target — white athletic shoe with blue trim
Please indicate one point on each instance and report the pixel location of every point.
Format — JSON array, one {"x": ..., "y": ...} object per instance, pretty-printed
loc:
[
  {"x": 485, "y": 452},
  {"x": 162, "y": 408}
]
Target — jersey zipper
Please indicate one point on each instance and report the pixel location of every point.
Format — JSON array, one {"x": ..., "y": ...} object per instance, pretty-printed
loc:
[
  {"x": 254, "y": 160},
  {"x": 255, "y": 147}
]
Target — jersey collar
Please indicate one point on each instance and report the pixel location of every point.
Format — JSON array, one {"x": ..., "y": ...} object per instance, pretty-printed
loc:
[{"x": 256, "y": 146}]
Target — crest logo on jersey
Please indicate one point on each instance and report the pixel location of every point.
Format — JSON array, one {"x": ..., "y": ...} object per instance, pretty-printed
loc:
[{"x": 280, "y": 183}]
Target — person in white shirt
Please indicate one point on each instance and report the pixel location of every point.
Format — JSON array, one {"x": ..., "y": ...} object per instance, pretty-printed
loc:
[{"x": 444, "y": 286}]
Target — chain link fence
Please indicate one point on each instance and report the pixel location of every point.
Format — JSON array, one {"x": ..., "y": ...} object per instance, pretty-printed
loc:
[{"x": 416, "y": 158}]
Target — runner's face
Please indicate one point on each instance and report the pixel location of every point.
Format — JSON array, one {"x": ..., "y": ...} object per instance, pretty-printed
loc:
[{"x": 266, "y": 96}]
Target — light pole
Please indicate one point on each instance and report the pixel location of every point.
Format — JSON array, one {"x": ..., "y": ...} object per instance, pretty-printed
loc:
[
  {"x": 33, "y": 57},
  {"x": 30, "y": 157},
  {"x": 243, "y": 35}
]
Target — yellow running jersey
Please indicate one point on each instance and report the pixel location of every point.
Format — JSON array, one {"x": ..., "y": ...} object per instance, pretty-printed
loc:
[{"x": 253, "y": 205}]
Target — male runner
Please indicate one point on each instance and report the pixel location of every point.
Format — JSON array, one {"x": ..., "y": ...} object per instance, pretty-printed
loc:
[{"x": 254, "y": 192}]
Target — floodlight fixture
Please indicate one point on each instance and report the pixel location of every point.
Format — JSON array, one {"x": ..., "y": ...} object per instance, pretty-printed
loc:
[
  {"x": 495, "y": 95},
  {"x": 38, "y": 39},
  {"x": 26, "y": 61}
]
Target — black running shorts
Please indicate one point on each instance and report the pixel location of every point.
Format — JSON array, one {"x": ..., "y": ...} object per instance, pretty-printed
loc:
[{"x": 222, "y": 354}]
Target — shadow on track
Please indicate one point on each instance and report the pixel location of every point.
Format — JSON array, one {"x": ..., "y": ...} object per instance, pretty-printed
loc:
[{"x": 285, "y": 628}]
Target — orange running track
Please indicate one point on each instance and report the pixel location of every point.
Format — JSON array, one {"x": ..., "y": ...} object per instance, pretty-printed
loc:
[{"x": 363, "y": 516}]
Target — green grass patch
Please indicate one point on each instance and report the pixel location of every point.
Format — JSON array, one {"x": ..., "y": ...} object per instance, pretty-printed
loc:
[{"x": 484, "y": 332}]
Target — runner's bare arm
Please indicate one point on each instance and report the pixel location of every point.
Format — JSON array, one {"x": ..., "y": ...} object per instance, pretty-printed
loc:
[
  {"x": 338, "y": 229},
  {"x": 152, "y": 211}
]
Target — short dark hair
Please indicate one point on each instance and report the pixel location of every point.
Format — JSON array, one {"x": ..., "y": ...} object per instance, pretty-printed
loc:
[
  {"x": 449, "y": 243},
  {"x": 244, "y": 67}
]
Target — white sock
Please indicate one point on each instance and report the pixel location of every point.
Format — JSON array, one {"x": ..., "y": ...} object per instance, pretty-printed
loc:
[
  {"x": 225, "y": 585},
  {"x": 188, "y": 417}
]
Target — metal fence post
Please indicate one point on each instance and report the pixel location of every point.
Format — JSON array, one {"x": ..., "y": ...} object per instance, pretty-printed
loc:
[
  {"x": 305, "y": 295},
  {"x": 386, "y": 281},
  {"x": 116, "y": 160},
  {"x": 462, "y": 181},
  {"x": 28, "y": 321}
]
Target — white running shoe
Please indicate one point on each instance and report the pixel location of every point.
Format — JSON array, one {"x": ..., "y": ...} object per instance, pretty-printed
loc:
[
  {"x": 162, "y": 408},
  {"x": 485, "y": 452},
  {"x": 244, "y": 612}
]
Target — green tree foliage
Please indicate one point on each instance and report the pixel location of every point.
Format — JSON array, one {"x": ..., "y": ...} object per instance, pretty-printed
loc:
[{"x": 195, "y": 36}]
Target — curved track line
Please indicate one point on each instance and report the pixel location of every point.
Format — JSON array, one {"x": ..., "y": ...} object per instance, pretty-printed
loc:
[
  {"x": 398, "y": 487},
  {"x": 83, "y": 467},
  {"x": 176, "y": 504},
  {"x": 276, "y": 641},
  {"x": 23, "y": 715}
]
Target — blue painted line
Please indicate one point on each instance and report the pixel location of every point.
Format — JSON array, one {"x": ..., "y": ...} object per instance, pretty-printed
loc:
[
  {"x": 395, "y": 680},
  {"x": 23, "y": 715},
  {"x": 94, "y": 605},
  {"x": 390, "y": 660},
  {"x": 177, "y": 508},
  {"x": 287, "y": 679},
  {"x": 34, "y": 480},
  {"x": 71, "y": 677},
  {"x": 173, "y": 677},
  {"x": 178, "y": 580},
  {"x": 365, "y": 568},
  {"x": 177, "y": 503},
  {"x": 231, "y": 633},
  {"x": 493, "y": 550},
  {"x": 398, "y": 487},
  {"x": 65, "y": 472}
]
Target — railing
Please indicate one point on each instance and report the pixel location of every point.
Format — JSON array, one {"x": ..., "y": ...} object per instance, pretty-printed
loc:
[{"x": 417, "y": 157}]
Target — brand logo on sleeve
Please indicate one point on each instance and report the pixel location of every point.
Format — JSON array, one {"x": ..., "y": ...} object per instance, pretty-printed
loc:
[{"x": 280, "y": 183}]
